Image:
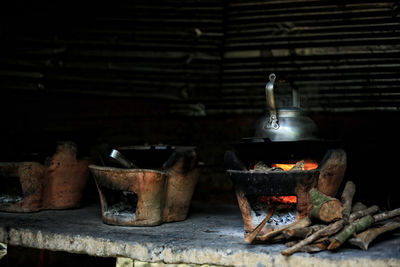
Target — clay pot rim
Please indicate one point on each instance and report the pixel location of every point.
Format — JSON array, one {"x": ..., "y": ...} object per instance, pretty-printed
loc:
[{"x": 108, "y": 169}]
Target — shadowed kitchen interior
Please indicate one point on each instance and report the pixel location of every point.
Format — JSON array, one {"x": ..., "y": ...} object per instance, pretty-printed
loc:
[{"x": 193, "y": 74}]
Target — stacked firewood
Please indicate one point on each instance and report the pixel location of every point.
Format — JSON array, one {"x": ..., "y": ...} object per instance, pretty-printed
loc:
[{"x": 330, "y": 224}]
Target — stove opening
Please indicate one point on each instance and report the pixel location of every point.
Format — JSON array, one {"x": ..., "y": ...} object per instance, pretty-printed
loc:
[
  {"x": 121, "y": 204},
  {"x": 284, "y": 209},
  {"x": 10, "y": 189}
]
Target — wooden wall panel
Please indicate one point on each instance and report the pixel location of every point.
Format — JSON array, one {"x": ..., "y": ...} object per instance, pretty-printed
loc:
[
  {"x": 167, "y": 50},
  {"x": 206, "y": 57},
  {"x": 342, "y": 55}
]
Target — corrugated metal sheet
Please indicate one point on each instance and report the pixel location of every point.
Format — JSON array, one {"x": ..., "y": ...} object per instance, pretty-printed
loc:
[{"x": 203, "y": 56}]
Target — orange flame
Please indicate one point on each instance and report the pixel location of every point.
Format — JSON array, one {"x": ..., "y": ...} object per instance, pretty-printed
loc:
[{"x": 278, "y": 199}]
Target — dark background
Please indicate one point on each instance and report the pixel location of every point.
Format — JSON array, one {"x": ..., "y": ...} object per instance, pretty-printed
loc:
[{"x": 193, "y": 73}]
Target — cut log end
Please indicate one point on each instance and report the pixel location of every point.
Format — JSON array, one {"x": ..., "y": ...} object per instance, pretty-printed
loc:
[
  {"x": 331, "y": 211},
  {"x": 334, "y": 245}
]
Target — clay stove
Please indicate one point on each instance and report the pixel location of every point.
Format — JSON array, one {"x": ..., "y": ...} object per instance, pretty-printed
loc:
[
  {"x": 151, "y": 184},
  {"x": 32, "y": 186},
  {"x": 261, "y": 183}
]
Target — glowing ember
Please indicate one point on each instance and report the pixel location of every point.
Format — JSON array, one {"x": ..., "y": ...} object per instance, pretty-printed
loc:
[
  {"x": 284, "y": 210},
  {"x": 308, "y": 165},
  {"x": 278, "y": 199}
]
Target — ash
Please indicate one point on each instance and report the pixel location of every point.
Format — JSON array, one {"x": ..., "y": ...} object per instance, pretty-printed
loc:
[
  {"x": 280, "y": 217},
  {"x": 122, "y": 210},
  {"x": 10, "y": 199}
]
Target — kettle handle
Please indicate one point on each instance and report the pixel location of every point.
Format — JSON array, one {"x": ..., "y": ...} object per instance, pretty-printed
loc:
[{"x": 269, "y": 94}]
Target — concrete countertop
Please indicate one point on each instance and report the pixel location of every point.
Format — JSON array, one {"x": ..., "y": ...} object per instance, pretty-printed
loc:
[{"x": 210, "y": 235}]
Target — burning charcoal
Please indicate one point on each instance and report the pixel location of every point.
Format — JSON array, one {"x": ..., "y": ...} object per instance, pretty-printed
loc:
[
  {"x": 261, "y": 166},
  {"x": 299, "y": 166}
]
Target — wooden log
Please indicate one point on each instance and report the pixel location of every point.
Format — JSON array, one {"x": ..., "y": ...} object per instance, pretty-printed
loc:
[
  {"x": 332, "y": 170},
  {"x": 357, "y": 207},
  {"x": 357, "y": 226},
  {"x": 325, "y": 208},
  {"x": 326, "y": 231},
  {"x": 297, "y": 224},
  {"x": 292, "y": 243},
  {"x": 363, "y": 239},
  {"x": 387, "y": 215},
  {"x": 324, "y": 240},
  {"x": 313, "y": 248},
  {"x": 302, "y": 232},
  {"x": 347, "y": 200},
  {"x": 245, "y": 209},
  {"x": 361, "y": 213},
  {"x": 321, "y": 242},
  {"x": 276, "y": 239},
  {"x": 250, "y": 238},
  {"x": 360, "y": 225}
]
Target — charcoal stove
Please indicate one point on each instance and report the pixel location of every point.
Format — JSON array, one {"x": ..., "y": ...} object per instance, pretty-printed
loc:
[
  {"x": 258, "y": 190},
  {"x": 146, "y": 186},
  {"x": 283, "y": 138},
  {"x": 57, "y": 183}
]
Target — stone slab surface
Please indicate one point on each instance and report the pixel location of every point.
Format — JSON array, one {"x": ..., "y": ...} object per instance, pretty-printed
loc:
[{"x": 210, "y": 235}]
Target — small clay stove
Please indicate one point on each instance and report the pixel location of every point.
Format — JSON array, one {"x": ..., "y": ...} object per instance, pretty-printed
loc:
[
  {"x": 145, "y": 185},
  {"x": 58, "y": 183},
  {"x": 275, "y": 181}
]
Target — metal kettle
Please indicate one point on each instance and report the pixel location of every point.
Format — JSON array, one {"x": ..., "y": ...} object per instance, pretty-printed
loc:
[{"x": 288, "y": 124}]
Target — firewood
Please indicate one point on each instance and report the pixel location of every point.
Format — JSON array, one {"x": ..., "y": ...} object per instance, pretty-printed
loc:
[
  {"x": 321, "y": 242},
  {"x": 356, "y": 226},
  {"x": 326, "y": 231},
  {"x": 276, "y": 239},
  {"x": 363, "y": 239},
  {"x": 347, "y": 200},
  {"x": 361, "y": 213},
  {"x": 357, "y": 207},
  {"x": 313, "y": 248},
  {"x": 297, "y": 224},
  {"x": 302, "y": 232},
  {"x": 324, "y": 240},
  {"x": 250, "y": 238},
  {"x": 325, "y": 208},
  {"x": 386, "y": 215},
  {"x": 332, "y": 170},
  {"x": 360, "y": 225},
  {"x": 292, "y": 243}
]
